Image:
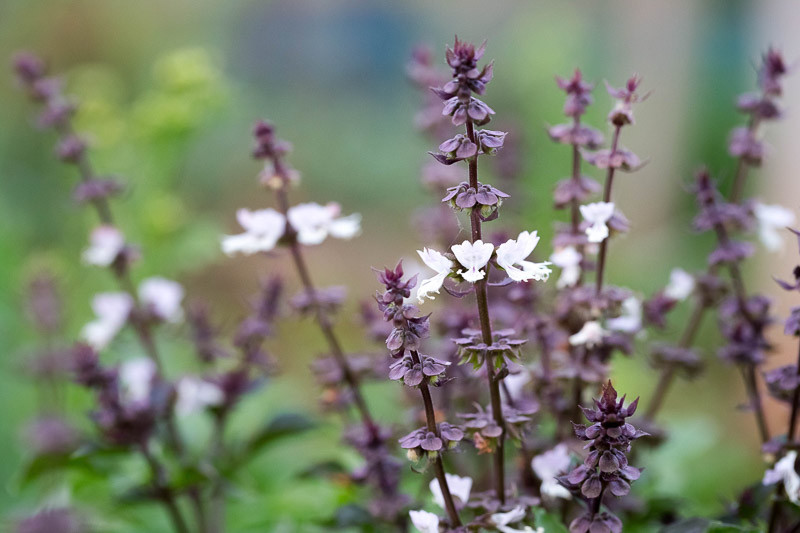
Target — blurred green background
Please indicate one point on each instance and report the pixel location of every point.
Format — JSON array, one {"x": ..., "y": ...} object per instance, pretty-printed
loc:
[{"x": 169, "y": 92}]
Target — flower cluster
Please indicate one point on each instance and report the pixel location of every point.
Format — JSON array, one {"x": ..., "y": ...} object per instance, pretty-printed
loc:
[{"x": 606, "y": 466}]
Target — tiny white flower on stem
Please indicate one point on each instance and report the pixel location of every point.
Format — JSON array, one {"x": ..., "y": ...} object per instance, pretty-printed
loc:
[
  {"x": 591, "y": 334},
  {"x": 784, "y": 471},
  {"x": 680, "y": 286},
  {"x": 105, "y": 244},
  {"x": 597, "y": 215},
  {"x": 438, "y": 263},
  {"x": 473, "y": 256},
  {"x": 136, "y": 377},
  {"x": 424, "y": 521},
  {"x": 502, "y": 520},
  {"x": 568, "y": 259},
  {"x": 550, "y": 464},
  {"x": 262, "y": 229},
  {"x": 112, "y": 310},
  {"x": 630, "y": 321},
  {"x": 515, "y": 251},
  {"x": 460, "y": 488},
  {"x": 771, "y": 220},
  {"x": 314, "y": 222},
  {"x": 195, "y": 394},
  {"x": 163, "y": 298}
]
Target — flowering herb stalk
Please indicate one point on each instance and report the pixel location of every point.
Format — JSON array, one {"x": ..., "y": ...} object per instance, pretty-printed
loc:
[
  {"x": 748, "y": 149},
  {"x": 156, "y": 298}
]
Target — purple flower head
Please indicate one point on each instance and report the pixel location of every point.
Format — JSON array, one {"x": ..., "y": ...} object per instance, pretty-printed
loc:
[
  {"x": 626, "y": 96},
  {"x": 397, "y": 289},
  {"x": 684, "y": 359},
  {"x": 61, "y": 520},
  {"x": 71, "y": 149},
  {"x": 422, "y": 443},
  {"x": 603, "y": 522},
  {"x": 28, "y": 67},
  {"x": 577, "y": 134},
  {"x": 468, "y": 109},
  {"x": 782, "y": 382},
  {"x": 579, "y": 93},
  {"x": 96, "y": 189},
  {"x": 773, "y": 68},
  {"x": 744, "y": 144},
  {"x": 621, "y": 159},
  {"x": 429, "y": 369}
]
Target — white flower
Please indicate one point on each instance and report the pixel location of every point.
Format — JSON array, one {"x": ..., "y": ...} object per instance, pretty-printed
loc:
[
  {"x": 681, "y": 285},
  {"x": 591, "y": 333},
  {"x": 112, "y": 310},
  {"x": 262, "y": 229},
  {"x": 550, "y": 464},
  {"x": 163, "y": 298},
  {"x": 514, "y": 252},
  {"x": 515, "y": 383},
  {"x": 460, "y": 488},
  {"x": 772, "y": 218},
  {"x": 568, "y": 259},
  {"x": 597, "y": 214},
  {"x": 784, "y": 471},
  {"x": 473, "y": 256},
  {"x": 195, "y": 394},
  {"x": 424, "y": 521},
  {"x": 314, "y": 222},
  {"x": 630, "y": 321},
  {"x": 105, "y": 244},
  {"x": 441, "y": 265},
  {"x": 136, "y": 377},
  {"x": 502, "y": 520}
]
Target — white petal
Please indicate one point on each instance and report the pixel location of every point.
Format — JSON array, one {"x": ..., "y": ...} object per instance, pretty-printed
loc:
[
  {"x": 473, "y": 257},
  {"x": 112, "y": 310},
  {"x": 429, "y": 286},
  {"x": 591, "y": 333},
  {"x": 597, "y": 212},
  {"x": 681, "y": 285},
  {"x": 435, "y": 260},
  {"x": 597, "y": 232},
  {"x": 514, "y": 515},
  {"x": 312, "y": 221},
  {"x": 460, "y": 488},
  {"x": 195, "y": 394},
  {"x": 136, "y": 377},
  {"x": 630, "y": 321},
  {"x": 424, "y": 521},
  {"x": 771, "y": 220},
  {"x": 163, "y": 297},
  {"x": 346, "y": 227},
  {"x": 262, "y": 230},
  {"x": 105, "y": 244}
]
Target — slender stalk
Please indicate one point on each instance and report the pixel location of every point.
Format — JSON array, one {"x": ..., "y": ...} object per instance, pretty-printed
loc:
[
  {"x": 668, "y": 373},
  {"x": 163, "y": 490},
  {"x": 790, "y": 437},
  {"x": 601, "y": 261},
  {"x": 324, "y": 324},
  {"x": 742, "y": 166},
  {"x": 430, "y": 420},
  {"x": 486, "y": 333},
  {"x": 141, "y": 328},
  {"x": 216, "y": 520}
]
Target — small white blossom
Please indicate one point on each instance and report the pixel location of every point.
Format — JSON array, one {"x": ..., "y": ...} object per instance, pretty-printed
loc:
[
  {"x": 163, "y": 298},
  {"x": 136, "y": 377},
  {"x": 195, "y": 394},
  {"x": 438, "y": 263},
  {"x": 424, "y": 521},
  {"x": 630, "y": 321},
  {"x": 784, "y": 471},
  {"x": 597, "y": 215},
  {"x": 473, "y": 256},
  {"x": 502, "y": 520},
  {"x": 460, "y": 488},
  {"x": 568, "y": 259},
  {"x": 771, "y": 219},
  {"x": 515, "y": 251},
  {"x": 105, "y": 244},
  {"x": 550, "y": 464},
  {"x": 591, "y": 334},
  {"x": 314, "y": 222},
  {"x": 681, "y": 285},
  {"x": 112, "y": 310},
  {"x": 262, "y": 229}
]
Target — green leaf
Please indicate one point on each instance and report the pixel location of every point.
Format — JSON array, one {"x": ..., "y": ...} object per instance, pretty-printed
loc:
[
  {"x": 550, "y": 522},
  {"x": 283, "y": 425}
]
